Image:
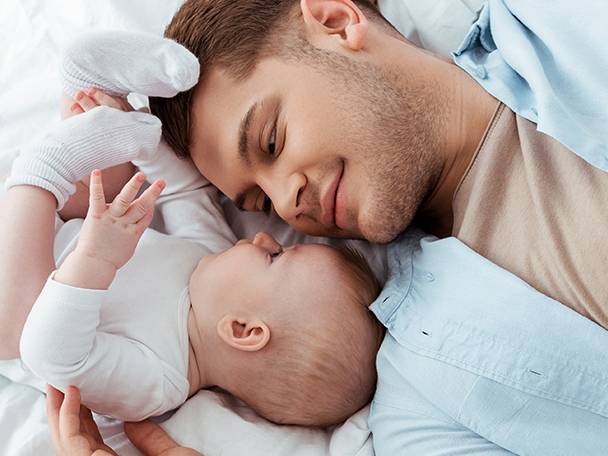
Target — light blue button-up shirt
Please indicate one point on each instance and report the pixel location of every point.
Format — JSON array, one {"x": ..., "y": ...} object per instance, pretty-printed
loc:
[
  {"x": 475, "y": 361},
  {"x": 548, "y": 62}
]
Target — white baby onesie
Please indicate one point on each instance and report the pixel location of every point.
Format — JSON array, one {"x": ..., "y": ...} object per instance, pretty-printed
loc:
[{"x": 126, "y": 348}]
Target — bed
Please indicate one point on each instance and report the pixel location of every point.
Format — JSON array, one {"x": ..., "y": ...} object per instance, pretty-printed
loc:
[{"x": 32, "y": 33}]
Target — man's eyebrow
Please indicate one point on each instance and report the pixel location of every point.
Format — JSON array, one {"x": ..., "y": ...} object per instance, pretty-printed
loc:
[
  {"x": 239, "y": 201},
  {"x": 244, "y": 134}
]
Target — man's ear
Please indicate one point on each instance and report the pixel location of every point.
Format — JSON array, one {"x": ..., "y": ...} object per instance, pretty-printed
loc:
[
  {"x": 336, "y": 17},
  {"x": 246, "y": 335}
]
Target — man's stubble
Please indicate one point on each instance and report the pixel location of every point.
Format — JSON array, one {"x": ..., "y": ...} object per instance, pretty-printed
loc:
[
  {"x": 393, "y": 123},
  {"x": 397, "y": 140}
]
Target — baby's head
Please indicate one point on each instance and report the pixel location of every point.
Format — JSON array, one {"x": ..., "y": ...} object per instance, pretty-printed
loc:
[{"x": 289, "y": 331}]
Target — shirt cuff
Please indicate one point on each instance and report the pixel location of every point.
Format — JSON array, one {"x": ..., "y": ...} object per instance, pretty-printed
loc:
[{"x": 60, "y": 292}]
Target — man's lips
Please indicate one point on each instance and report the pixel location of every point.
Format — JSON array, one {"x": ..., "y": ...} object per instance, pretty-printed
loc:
[{"x": 328, "y": 201}]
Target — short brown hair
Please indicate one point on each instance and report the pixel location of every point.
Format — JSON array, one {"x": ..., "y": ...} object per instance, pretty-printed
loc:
[
  {"x": 317, "y": 378},
  {"x": 233, "y": 34},
  {"x": 364, "y": 284}
]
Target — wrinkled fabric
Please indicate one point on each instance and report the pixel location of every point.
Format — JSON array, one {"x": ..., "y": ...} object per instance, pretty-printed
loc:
[
  {"x": 548, "y": 63},
  {"x": 475, "y": 359}
]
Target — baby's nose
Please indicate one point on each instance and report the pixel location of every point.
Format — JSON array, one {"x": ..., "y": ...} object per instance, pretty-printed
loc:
[{"x": 266, "y": 241}]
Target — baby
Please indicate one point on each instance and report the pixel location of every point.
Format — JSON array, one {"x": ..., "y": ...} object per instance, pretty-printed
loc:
[{"x": 140, "y": 320}]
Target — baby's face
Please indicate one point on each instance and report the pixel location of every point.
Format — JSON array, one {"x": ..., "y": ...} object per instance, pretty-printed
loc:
[
  {"x": 271, "y": 320},
  {"x": 260, "y": 275}
]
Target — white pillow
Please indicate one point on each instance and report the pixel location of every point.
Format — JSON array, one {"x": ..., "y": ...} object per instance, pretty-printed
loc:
[{"x": 437, "y": 25}]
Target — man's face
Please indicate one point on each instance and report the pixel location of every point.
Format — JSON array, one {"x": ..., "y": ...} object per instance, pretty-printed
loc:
[{"x": 328, "y": 148}]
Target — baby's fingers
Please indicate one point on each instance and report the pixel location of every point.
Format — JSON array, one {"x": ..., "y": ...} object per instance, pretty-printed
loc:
[
  {"x": 97, "y": 198},
  {"x": 123, "y": 200},
  {"x": 76, "y": 109},
  {"x": 104, "y": 99},
  {"x": 84, "y": 101},
  {"x": 144, "y": 205}
]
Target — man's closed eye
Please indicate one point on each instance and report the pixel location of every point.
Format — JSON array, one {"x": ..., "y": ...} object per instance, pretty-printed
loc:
[{"x": 272, "y": 141}]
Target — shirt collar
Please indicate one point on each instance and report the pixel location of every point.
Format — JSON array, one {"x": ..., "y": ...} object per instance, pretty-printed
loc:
[{"x": 399, "y": 256}]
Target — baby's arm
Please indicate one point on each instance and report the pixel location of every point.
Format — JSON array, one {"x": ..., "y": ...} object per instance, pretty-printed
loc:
[
  {"x": 41, "y": 180},
  {"x": 27, "y": 230},
  {"x": 60, "y": 342}
]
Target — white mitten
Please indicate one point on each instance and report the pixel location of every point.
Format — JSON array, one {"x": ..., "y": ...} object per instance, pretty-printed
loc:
[
  {"x": 97, "y": 139},
  {"x": 121, "y": 62}
]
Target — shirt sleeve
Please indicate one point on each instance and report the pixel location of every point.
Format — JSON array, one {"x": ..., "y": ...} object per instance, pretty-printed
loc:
[
  {"x": 398, "y": 431},
  {"x": 546, "y": 65},
  {"x": 189, "y": 206},
  {"x": 117, "y": 376}
]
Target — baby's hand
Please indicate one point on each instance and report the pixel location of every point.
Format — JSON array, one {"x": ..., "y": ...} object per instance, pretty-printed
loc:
[
  {"x": 94, "y": 97},
  {"x": 111, "y": 232}
]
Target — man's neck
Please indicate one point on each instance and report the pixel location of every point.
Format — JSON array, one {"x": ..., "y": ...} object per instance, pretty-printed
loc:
[{"x": 470, "y": 111}]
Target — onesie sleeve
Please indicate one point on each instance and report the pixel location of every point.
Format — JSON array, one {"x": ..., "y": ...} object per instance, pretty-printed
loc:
[
  {"x": 189, "y": 206},
  {"x": 117, "y": 376}
]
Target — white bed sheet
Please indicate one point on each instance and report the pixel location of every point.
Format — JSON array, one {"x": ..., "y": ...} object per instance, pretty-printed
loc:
[{"x": 32, "y": 32}]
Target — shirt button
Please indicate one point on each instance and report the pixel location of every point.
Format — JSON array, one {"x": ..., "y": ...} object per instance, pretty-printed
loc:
[{"x": 429, "y": 277}]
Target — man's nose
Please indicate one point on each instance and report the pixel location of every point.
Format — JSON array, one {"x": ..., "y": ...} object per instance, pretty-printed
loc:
[
  {"x": 267, "y": 242},
  {"x": 286, "y": 194}
]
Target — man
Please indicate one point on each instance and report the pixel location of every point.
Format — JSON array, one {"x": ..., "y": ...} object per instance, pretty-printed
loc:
[
  {"x": 367, "y": 119},
  {"x": 322, "y": 111}
]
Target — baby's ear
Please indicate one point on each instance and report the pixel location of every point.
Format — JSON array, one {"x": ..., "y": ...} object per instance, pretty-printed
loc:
[{"x": 243, "y": 334}]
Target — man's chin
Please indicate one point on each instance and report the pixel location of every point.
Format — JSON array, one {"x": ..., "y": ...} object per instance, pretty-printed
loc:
[
  {"x": 380, "y": 233},
  {"x": 330, "y": 232},
  {"x": 380, "y": 238}
]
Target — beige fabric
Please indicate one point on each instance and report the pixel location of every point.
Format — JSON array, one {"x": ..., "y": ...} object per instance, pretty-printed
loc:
[{"x": 534, "y": 208}]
